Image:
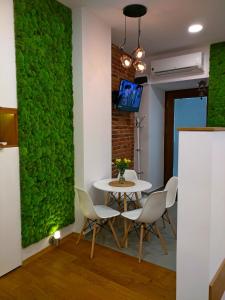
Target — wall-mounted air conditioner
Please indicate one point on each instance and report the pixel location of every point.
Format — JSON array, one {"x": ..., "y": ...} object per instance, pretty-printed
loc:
[{"x": 178, "y": 64}]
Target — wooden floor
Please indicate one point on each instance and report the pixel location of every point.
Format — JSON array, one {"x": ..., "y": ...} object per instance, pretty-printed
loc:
[{"x": 68, "y": 273}]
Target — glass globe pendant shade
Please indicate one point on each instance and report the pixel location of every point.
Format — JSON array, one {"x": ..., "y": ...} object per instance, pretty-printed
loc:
[
  {"x": 139, "y": 53},
  {"x": 139, "y": 66},
  {"x": 126, "y": 61}
]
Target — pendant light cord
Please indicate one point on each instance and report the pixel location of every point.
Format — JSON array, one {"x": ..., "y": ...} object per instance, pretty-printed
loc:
[
  {"x": 139, "y": 31},
  {"x": 125, "y": 34}
]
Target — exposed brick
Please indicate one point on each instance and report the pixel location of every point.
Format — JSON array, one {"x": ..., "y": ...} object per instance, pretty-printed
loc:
[{"x": 122, "y": 122}]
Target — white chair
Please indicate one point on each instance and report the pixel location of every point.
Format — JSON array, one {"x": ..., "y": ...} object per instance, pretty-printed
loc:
[
  {"x": 147, "y": 216},
  {"x": 171, "y": 188},
  {"x": 93, "y": 215}
]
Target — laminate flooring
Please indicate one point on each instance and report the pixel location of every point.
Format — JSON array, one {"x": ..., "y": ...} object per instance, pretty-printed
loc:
[{"x": 67, "y": 273}]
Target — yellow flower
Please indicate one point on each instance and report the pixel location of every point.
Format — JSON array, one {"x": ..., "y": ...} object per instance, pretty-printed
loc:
[
  {"x": 118, "y": 160},
  {"x": 125, "y": 160}
]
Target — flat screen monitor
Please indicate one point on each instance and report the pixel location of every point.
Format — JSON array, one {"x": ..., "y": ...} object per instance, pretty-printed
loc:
[{"x": 129, "y": 98}]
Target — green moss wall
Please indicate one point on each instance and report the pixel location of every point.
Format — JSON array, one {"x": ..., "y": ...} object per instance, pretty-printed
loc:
[
  {"x": 43, "y": 31},
  {"x": 216, "y": 100}
]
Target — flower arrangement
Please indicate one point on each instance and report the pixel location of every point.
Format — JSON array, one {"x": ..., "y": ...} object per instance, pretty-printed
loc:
[{"x": 122, "y": 164}]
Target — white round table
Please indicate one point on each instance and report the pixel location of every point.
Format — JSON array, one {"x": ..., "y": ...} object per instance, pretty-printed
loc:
[{"x": 139, "y": 186}]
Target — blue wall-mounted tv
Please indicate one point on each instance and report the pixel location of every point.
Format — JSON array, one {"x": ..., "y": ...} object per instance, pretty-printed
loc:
[{"x": 129, "y": 97}]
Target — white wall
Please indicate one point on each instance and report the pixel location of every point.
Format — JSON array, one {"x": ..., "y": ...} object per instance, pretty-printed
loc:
[
  {"x": 152, "y": 136},
  {"x": 217, "y": 208},
  {"x": 8, "y": 97},
  {"x": 92, "y": 105},
  {"x": 10, "y": 228},
  {"x": 201, "y": 206}
]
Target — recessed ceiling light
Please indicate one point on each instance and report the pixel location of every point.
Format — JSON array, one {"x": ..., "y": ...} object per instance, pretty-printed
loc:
[{"x": 195, "y": 28}]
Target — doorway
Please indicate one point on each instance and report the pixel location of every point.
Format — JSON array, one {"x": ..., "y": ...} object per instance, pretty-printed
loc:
[{"x": 183, "y": 108}]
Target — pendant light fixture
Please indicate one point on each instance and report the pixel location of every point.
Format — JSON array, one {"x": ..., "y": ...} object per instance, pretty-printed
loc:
[
  {"x": 125, "y": 59},
  {"x": 134, "y": 11},
  {"x": 139, "y": 66},
  {"x": 139, "y": 52}
]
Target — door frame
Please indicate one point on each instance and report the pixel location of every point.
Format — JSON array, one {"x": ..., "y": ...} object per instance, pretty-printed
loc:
[{"x": 170, "y": 97}]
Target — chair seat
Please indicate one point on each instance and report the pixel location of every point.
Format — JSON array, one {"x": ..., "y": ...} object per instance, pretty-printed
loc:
[
  {"x": 105, "y": 212},
  {"x": 132, "y": 214}
]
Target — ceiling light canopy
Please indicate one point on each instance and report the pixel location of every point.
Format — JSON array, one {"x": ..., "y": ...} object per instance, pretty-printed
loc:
[
  {"x": 134, "y": 11},
  {"x": 194, "y": 28}
]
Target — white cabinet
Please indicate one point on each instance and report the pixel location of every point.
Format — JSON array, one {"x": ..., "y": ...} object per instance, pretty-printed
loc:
[
  {"x": 201, "y": 210},
  {"x": 10, "y": 224}
]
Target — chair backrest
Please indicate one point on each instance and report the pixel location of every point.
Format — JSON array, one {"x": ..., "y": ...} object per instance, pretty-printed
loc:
[
  {"x": 153, "y": 208},
  {"x": 130, "y": 174},
  {"x": 86, "y": 204},
  {"x": 171, "y": 188}
]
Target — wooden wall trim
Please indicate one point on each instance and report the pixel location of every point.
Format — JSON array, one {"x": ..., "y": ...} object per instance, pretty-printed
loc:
[{"x": 209, "y": 129}]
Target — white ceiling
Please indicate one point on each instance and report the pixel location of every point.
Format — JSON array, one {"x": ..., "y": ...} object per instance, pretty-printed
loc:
[{"x": 164, "y": 27}]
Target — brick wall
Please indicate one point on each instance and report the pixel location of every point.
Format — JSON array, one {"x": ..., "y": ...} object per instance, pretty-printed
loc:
[{"x": 122, "y": 122}]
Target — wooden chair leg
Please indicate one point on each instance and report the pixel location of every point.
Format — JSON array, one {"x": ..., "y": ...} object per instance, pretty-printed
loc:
[
  {"x": 107, "y": 198},
  {"x": 82, "y": 231},
  {"x": 164, "y": 224},
  {"x": 137, "y": 202},
  {"x": 116, "y": 221},
  {"x": 171, "y": 224},
  {"x": 119, "y": 201},
  {"x": 147, "y": 233},
  {"x": 141, "y": 243},
  {"x": 93, "y": 241},
  {"x": 98, "y": 226},
  {"x": 161, "y": 238},
  {"x": 126, "y": 233},
  {"x": 125, "y": 220},
  {"x": 114, "y": 233}
]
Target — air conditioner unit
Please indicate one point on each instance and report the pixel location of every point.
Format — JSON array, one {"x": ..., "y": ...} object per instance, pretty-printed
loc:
[{"x": 182, "y": 63}]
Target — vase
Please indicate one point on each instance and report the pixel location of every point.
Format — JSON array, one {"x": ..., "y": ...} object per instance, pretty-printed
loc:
[{"x": 121, "y": 176}]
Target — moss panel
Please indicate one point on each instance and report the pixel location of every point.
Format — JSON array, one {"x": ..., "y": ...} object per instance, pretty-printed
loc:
[
  {"x": 216, "y": 101},
  {"x": 43, "y": 30}
]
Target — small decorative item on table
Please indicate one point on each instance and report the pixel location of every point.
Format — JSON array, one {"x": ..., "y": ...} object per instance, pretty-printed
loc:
[{"x": 122, "y": 164}]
